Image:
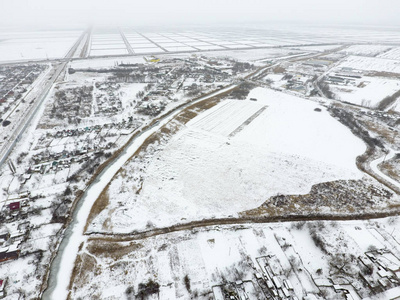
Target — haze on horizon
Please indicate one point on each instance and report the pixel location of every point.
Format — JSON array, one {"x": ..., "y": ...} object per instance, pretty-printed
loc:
[{"x": 49, "y": 13}]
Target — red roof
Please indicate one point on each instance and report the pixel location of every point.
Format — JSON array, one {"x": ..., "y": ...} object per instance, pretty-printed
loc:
[{"x": 14, "y": 205}]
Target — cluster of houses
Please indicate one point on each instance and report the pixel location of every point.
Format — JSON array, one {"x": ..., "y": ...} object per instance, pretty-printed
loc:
[
  {"x": 108, "y": 100},
  {"x": 191, "y": 76},
  {"x": 72, "y": 104},
  {"x": 382, "y": 270},
  {"x": 269, "y": 280},
  {"x": 272, "y": 280},
  {"x": 15, "y": 232},
  {"x": 14, "y": 81}
]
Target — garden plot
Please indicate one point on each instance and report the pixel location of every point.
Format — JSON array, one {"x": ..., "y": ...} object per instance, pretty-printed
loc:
[
  {"x": 309, "y": 258},
  {"x": 203, "y": 173}
]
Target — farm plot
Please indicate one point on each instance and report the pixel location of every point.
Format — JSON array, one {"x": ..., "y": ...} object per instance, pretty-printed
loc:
[
  {"x": 307, "y": 260},
  {"x": 227, "y": 117},
  {"x": 107, "y": 44},
  {"x": 206, "y": 172},
  {"x": 36, "y": 45},
  {"x": 371, "y": 64},
  {"x": 148, "y": 50},
  {"x": 392, "y": 54},
  {"x": 367, "y": 50}
]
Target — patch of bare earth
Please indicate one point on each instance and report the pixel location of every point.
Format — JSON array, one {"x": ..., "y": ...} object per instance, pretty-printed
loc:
[{"x": 341, "y": 197}]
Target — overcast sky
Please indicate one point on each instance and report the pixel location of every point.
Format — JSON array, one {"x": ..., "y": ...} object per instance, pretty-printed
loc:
[{"x": 153, "y": 12}]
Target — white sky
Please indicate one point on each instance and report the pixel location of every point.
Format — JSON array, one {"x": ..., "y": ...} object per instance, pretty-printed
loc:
[{"x": 152, "y": 12}]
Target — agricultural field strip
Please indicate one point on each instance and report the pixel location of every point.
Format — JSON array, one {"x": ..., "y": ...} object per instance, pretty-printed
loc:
[
  {"x": 177, "y": 41},
  {"x": 227, "y": 118},
  {"x": 201, "y": 40},
  {"x": 127, "y": 44},
  {"x": 156, "y": 44},
  {"x": 391, "y": 54}
]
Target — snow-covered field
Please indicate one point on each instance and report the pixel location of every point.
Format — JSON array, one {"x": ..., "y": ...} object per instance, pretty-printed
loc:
[
  {"x": 18, "y": 46},
  {"x": 254, "y": 55},
  {"x": 372, "y": 91},
  {"x": 371, "y": 64},
  {"x": 392, "y": 54},
  {"x": 317, "y": 48},
  {"x": 104, "y": 52},
  {"x": 367, "y": 50},
  {"x": 211, "y": 169}
]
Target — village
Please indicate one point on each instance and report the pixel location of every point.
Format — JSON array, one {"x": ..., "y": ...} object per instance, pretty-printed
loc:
[
  {"x": 99, "y": 107},
  {"x": 73, "y": 138}
]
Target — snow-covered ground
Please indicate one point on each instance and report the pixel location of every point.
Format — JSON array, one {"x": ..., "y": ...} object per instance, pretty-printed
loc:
[
  {"x": 211, "y": 169},
  {"x": 367, "y": 50},
  {"x": 368, "y": 91},
  {"x": 371, "y": 64},
  {"x": 36, "y": 45},
  {"x": 213, "y": 258},
  {"x": 391, "y": 54}
]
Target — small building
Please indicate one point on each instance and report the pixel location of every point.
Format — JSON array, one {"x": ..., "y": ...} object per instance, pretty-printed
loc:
[{"x": 15, "y": 206}]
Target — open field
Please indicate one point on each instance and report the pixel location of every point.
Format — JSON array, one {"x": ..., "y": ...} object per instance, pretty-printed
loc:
[
  {"x": 280, "y": 150},
  {"x": 366, "y": 50},
  {"x": 19, "y": 46},
  {"x": 391, "y": 54}
]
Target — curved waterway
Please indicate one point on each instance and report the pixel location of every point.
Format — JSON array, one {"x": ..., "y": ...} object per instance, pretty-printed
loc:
[{"x": 63, "y": 263}]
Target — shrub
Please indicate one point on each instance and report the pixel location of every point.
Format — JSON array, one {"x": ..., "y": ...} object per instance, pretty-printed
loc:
[
  {"x": 148, "y": 288},
  {"x": 186, "y": 280}
]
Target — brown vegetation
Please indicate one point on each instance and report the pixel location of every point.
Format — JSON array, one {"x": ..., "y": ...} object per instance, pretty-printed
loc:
[
  {"x": 337, "y": 197},
  {"x": 101, "y": 203},
  {"x": 102, "y": 248}
]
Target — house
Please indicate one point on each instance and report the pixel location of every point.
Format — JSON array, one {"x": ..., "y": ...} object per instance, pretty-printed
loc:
[
  {"x": 9, "y": 252},
  {"x": 15, "y": 206}
]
